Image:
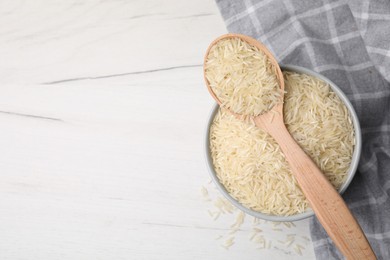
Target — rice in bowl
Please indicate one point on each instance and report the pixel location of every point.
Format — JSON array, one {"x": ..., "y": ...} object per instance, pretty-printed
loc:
[{"x": 252, "y": 168}]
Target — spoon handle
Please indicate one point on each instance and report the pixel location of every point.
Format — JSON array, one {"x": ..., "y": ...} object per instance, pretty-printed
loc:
[{"x": 325, "y": 201}]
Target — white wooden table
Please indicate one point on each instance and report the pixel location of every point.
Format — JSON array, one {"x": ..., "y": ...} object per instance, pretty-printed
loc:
[{"x": 102, "y": 115}]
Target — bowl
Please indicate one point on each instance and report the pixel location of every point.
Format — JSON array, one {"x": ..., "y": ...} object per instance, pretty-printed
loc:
[{"x": 308, "y": 213}]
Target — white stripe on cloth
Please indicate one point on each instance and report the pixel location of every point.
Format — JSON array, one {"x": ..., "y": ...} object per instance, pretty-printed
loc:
[
  {"x": 377, "y": 236},
  {"x": 371, "y": 16},
  {"x": 257, "y": 25},
  {"x": 384, "y": 72},
  {"x": 263, "y": 3},
  {"x": 243, "y": 14},
  {"x": 382, "y": 128},
  {"x": 295, "y": 18},
  {"x": 321, "y": 242},
  {"x": 371, "y": 95},
  {"x": 364, "y": 22},
  {"x": 333, "y": 40},
  {"x": 333, "y": 32},
  {"x": 380, "y": 51},
  {"x": 368, "y": 164},
  {"x": 301, "y": 31},
  {"x": 350, "y": 68},
  {"x": 372, "y": 201},
  {"x": 386, "y": 54}
]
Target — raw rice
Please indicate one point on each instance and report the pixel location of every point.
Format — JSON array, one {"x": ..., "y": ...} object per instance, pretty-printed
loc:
[
  {"x": 250, "y": 164},
  {"x": 242, "y": 77}
]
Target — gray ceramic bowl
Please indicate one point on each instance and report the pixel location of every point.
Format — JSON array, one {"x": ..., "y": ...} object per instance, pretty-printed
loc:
[{"x": 308, "y": 213}]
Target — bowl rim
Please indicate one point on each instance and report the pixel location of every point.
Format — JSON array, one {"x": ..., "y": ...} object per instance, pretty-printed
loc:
[{"x": 351, "y": 171}]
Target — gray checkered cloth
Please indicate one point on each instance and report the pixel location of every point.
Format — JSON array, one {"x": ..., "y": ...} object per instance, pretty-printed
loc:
[{"x": 348, "y": 42}]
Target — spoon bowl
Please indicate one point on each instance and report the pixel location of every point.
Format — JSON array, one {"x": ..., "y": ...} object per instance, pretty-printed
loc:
[{"x": 251, "y": 42}]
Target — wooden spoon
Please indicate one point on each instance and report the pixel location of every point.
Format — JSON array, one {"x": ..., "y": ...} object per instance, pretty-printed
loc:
[{"x": 325, "y": 201}]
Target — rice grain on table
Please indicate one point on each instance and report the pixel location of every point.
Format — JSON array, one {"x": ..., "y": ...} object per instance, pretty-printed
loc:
[{"x": 256, "y": 234}]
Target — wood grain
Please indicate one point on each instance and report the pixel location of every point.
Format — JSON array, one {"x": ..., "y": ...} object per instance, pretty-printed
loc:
[
  {"x": 325, "y": 201},
  {"x": 102, "y": 114}
]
